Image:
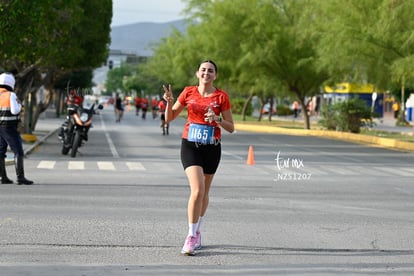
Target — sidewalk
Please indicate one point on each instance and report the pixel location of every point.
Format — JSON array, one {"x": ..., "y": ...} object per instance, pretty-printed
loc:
[
  {"x": 388, "y": 124},
  {"x": 383, "y": 124},
  {"x": 45, "y": 128}
]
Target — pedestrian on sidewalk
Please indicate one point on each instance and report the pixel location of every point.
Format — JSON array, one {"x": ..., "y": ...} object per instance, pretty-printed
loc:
[
  {"x": 208, "y": 110},
  {"x": 295, "y": 109},
  {"x": 396, "y": 109},
  {"x": 10, "y": 108}
]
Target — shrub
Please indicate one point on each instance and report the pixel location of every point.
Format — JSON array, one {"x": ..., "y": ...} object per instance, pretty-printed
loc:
[
  {"x": 237, "y": 105},
  {"x": 346, "y": 115},
  {"x": 283, "y": 110},
  {"x": 329, "y": 117}
]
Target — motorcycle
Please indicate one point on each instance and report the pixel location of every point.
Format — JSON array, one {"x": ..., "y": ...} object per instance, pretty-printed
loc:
[{"x": 77, "y": 126}]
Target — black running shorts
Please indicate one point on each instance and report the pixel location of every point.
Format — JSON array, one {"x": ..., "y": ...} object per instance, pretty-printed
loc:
[{"x": 205, "y": 156}]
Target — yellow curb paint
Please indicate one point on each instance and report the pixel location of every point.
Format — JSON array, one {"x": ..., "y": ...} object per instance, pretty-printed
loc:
[
  {"x": 360, "y": 138},
  {"x": 29, "y": 138}
]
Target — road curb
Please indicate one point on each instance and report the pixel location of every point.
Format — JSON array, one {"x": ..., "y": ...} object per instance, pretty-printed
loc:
[
  {"x": 358, "y": 138},
  {"x": 38, "y": 142}
]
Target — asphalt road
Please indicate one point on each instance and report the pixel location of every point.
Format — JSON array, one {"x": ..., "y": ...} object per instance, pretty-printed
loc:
[{"x": 308, "y": 206}]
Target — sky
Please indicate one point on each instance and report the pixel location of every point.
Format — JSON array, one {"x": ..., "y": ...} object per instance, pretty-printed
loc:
[{"x": 159, "y": 11}]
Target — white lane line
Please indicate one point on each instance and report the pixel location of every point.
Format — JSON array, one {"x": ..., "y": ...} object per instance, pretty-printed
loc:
[
  {"x": 135, "y": 166},
  {"x": 46, "y": 164},
  {"x": 110, "y": 142},
  {"x": 394, "y": 171},
  {"x": 76, "y": 165},
  {"x": 106, "y": 166}
]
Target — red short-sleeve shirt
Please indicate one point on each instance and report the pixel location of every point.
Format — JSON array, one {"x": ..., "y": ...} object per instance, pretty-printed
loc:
[{"x": 197, "y": 106}]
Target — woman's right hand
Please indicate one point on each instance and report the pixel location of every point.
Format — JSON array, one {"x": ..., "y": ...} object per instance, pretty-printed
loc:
[{"x": 168, "y": 95}]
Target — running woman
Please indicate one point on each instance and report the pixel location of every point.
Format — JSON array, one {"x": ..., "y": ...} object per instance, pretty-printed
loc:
[
  {"x": 208, "y": 110},
  {"x": 164, "y": 126}
]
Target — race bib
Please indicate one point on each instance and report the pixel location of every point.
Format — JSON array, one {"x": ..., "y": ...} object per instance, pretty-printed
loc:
[{"x": 203, "y": 134}]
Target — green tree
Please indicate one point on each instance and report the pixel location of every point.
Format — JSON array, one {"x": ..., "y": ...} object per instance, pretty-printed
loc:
[
  {"x": 142, "y": 82},
  {"x": 43, "y": 40},
  {"x": 80, "y": 80},
  {"x": 225, "y": 39},
  {"x": 368, "y": 41},
  {"x": 281, "y": 51},
  {"x": 260, "y": 46},
  {"x": 210, "y": 35},
  {"x": 115, "y": 77},
  {"x": 173, "y": 62}
]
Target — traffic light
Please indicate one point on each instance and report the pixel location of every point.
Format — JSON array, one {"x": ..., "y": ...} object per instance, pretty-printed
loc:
[{"x": 110, "y": 64}]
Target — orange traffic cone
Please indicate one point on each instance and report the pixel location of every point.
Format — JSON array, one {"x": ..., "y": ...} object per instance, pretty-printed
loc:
[{"x": 250, "y": 156}]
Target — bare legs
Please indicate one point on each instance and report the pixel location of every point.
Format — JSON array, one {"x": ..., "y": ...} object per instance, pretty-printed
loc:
[
  {"x": 200, "y": 184},
  {"x": 118, "y": 114},
  {"x": 197, "y": 205}
]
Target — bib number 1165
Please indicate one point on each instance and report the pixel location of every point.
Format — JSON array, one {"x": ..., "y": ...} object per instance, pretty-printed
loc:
[{"x": 203, "y": 134}]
